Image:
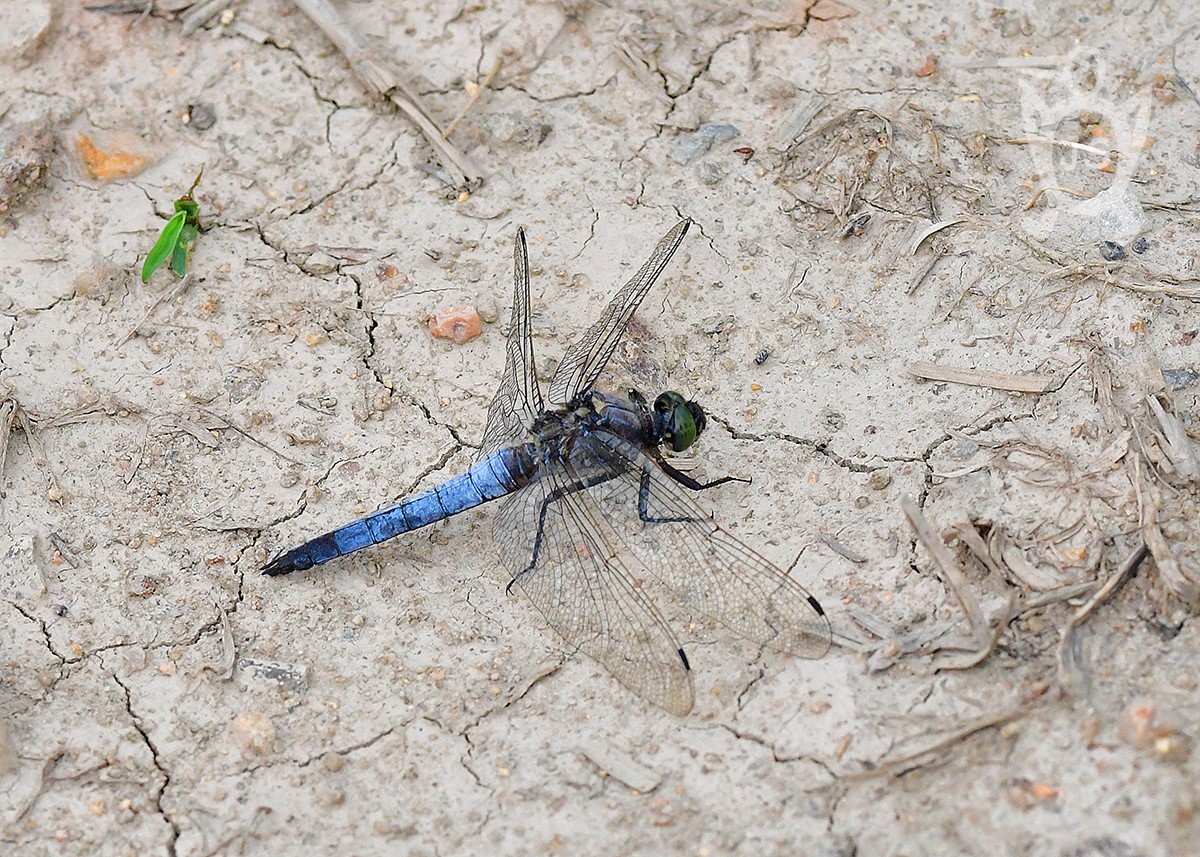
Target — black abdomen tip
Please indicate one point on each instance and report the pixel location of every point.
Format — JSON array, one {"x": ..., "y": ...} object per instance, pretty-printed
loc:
[{"x": 286, "y": 562}]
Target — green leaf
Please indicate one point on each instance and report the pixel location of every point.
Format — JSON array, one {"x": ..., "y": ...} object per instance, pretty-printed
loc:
[
  {"x": 190, "y": 207},
  {"x": 164, "y": 246},
  {"x": 179, "y": 259}
]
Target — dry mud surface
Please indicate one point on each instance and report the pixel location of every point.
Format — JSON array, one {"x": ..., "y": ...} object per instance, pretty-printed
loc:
[{"x": 159, "y": 696}]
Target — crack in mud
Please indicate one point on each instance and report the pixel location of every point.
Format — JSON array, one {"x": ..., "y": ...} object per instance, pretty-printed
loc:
[
  {"x": 820, "y": 447},
  {"x": 60, "y": 672},
  {"x": 780, "y": 759},
  {"x": 440, "y": 464},
  {"x": 159, "y": 764},
  {"x": 564, "y": 96},
  {"x": 342, "y": 751},
  {"x": 759, "y": 674},
  {"x": 45, "y": 632},
  {"x": 372, "y": 324},
  {"x": 8, "y": 336},
  {"x": 433, "y": 421},
  {"x": 466, "y": 760}
]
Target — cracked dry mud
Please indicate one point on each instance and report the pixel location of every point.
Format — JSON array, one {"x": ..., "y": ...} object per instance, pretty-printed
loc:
[{"x": 159, "y": 696}]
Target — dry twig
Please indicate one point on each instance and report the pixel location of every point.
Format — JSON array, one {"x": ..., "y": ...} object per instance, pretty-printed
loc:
[
  {"x": 1017, "y": 382},
  {"x": 8, "y": 414},
  {"x": 203, "y": 12},
  {"x": 1070, "y": 670},
  {"x": 1062, "y": 144},
  {"x": 226, "y": 423},
  {"x": 889, "y": 766},
  {"x": 956, "y": 581},
  {"x": 166, "y": 297},
  {"x": 933, "y": 230},
  {"x": 1037, "y": 195},
  {"x": 474, "y": 90},
  {"x": 541, "y": 671},
  {"x": 385, "y": 82}
]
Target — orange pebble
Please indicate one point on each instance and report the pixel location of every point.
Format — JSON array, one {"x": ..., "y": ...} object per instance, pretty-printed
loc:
[
  {"x": 110, "y": 163},
  {"x": 1044, "y": 791},
  {"x": 460, "y": 323}
]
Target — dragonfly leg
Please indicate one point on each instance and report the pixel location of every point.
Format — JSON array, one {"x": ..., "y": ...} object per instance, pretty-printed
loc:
[
  {"x": 644, "y": 496},
  {"x": 684, "y": 480},
  {"x": 688, "y": 482},
  {"x": 553, "y": 497}
]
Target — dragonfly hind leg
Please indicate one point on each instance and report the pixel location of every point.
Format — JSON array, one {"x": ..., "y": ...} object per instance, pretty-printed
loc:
[{"x": 553, "y": 497}]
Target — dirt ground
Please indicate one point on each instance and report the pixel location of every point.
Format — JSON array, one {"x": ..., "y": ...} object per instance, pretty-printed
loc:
[{"x": 897, "y": 287}]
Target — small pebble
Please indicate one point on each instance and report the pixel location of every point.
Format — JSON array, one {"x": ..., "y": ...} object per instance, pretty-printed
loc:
[
  {"x": 199, "y": 117},
  {"x": 320, "y": 263},
  {"x": 26, "y": 23},
  {"x": 1112, "y": 251},
  {"x": 460, "y": 323},
  {"x": 691, "y": 146},
  {"x": 879, "y": 480},
  {"x": 1177, "y": 379},
  {"x": 332, "y": 762},
  {"x": 254, "y": 732},
  {"x": 1140, "y": 246},
  {"x": 26, "y": 150},
  {"x": 1142, "y": 724},
  {"x": 116, "y": 157},
  {"x": 514, "y": 130},
  {"x": 710, "y": 173},
  {"x": 1175, "y": 748}
]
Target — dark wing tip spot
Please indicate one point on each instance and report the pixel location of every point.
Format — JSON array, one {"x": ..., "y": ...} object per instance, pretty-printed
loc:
[
  {"x": 683, "y": 658},
  {"x": 816, "y": 605}
]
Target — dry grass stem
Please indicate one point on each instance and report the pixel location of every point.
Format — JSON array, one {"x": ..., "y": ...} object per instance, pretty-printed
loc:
[
  {"x": 1016, "y": 382},
  {"x": 386, "y": 83}
]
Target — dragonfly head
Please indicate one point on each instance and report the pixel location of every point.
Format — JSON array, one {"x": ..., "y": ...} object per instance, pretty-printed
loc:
[{"x": 678, "y": 420}]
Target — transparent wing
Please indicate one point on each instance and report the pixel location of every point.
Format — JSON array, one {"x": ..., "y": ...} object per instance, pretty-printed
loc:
[
  {"x": 518, "y": 399},
  {"x": 710, "y": 570},
  {"x": 588, "y": 593},
  {"x": 585, "y": 359}
]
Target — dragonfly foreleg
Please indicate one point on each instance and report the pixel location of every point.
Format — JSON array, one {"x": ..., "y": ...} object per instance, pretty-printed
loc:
[
  {"x": 688, "y": 482},
  {"x": 553, "y": 497}
]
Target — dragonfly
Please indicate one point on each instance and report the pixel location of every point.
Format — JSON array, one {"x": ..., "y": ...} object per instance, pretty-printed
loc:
[{"x": 593, "y": 515}]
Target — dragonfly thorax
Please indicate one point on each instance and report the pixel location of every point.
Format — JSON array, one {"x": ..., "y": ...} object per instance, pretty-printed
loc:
[{"x": 671, "y": 420}]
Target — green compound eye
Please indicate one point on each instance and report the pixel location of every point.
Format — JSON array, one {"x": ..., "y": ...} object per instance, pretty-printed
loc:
[
  {"x": 683, "y": 428},
  {"x": 685, "y": 420}
]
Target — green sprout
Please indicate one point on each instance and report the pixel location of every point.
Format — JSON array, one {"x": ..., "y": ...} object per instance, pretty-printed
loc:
[{"x": 177, "y": 236}]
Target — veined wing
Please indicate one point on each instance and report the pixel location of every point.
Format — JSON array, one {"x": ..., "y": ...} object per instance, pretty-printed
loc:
[
  {"x": 585, "y": 359},
  {"x": 683, "y": 547},
  {"x": 518, "y": 399},
  {"x": 560, "y": 553}
]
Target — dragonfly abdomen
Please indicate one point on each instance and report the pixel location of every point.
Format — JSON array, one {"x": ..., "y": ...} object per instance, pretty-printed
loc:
[{"x": 499, "y": 474}]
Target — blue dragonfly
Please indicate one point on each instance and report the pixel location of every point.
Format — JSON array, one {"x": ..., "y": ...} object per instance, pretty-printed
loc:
[{"x": 593, "y": 516}]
